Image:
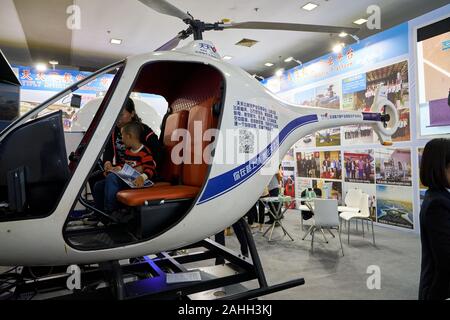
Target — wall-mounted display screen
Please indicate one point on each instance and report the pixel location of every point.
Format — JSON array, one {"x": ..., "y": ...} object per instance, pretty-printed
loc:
[{"x": 433, "y": 63}]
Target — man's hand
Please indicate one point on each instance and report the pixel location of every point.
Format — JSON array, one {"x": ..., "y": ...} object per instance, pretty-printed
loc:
[
  {"x": 115, "y": 169},
  {"x": 139, "y": 182}
]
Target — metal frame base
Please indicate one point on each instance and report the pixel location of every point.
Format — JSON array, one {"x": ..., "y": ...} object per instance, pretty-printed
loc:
[{"x": 146, "y": 279}]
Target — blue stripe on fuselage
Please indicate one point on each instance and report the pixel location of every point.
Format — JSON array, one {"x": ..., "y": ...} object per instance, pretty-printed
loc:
[{"x": 228, "y": 181}]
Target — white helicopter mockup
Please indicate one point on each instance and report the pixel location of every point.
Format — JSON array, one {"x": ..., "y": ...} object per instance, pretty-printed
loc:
[{"x": 39, "y": 188}]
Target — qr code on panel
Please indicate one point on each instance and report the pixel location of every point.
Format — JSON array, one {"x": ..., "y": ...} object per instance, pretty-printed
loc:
[{"x": 246, "y": 141}]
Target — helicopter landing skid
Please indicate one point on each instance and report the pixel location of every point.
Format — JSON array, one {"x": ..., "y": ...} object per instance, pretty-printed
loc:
[{"x": 146, "y": 278}]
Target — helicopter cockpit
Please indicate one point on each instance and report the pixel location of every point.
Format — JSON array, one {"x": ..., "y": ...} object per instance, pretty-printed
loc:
[{"x": 194, "y": 93}]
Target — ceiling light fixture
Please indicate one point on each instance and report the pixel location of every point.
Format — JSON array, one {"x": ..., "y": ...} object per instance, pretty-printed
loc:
[
  {"x": 268, "y": 64},
  {"x": 116, "y": 41},
  {"x": 337, "y": 48},
  {"x": 41, "y": 67},
  {"x": 309, "y": 6},
  {"x": 343, "y": 34},
  {"x": 53, "y": 63},
  {"x": 279, "y": 72},
  {"x": 360, "y": 21},
  {"x": 287, "y": 60}
]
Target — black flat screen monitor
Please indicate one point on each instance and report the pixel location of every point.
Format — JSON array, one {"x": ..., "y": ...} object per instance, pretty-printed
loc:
[{"x": 39, "y": 147}]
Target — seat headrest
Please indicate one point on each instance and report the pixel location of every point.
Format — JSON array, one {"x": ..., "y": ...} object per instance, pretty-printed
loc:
[{"x": 175, "y": 121}]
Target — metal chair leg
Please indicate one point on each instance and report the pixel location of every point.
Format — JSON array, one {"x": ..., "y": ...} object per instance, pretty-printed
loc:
[
  {"x": 312, "y": 240},
  {"x": 348, "y": 232},
  {"x": 286, "y": 233},
  {"x": 308, "y": 232},
  {"x": 323, "y": 233},
  {"x": 331, "y": 233},
  {"x": 362, "y": 226},
  {"x": 373, "y": 234},
  {"x": 271, "y": 231},
  {"x": 340, "y": 240}
]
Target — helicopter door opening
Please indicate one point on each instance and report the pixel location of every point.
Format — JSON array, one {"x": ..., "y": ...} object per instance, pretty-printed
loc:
[{"x": 194, "y": 93}]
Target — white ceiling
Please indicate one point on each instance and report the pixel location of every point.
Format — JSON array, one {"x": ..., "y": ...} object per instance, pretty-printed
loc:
[{"x": 143, "y": 29}]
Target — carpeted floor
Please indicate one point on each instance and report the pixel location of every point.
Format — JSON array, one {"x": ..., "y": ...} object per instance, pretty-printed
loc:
[{"x": 328, "y": 274}]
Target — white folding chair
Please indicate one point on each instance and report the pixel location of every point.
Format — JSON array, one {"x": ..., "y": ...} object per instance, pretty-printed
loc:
[
  {"x": 352, "y": 201},
  {"x": 363, "y": 214},
  {"x": 326, "y": 217}
]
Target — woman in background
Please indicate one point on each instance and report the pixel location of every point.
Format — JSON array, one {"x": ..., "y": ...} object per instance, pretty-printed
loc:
[{"x": 435, "y": 221}]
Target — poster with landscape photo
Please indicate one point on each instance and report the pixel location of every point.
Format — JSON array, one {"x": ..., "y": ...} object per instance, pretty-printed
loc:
[
  {"x": 394, "y": 206},
  {"x": 393, "y": 166},
  {"x": 328, "y": 137}
]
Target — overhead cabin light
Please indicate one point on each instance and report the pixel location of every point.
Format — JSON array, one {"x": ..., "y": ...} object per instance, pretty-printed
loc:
[
  {"x": 227, "y": 58},
  {"x": 292, "y": 59},
  {"x": 41, "y": 67},
  {"x": 309, "y": 6},
  {"x": 268, "y": 64},
  {"x": 53, "y": 63},
  {"x": 360, "y": 21},
  {"x": 116, "y": 41},
  {"x": 343, "y": 34},
  {"x": 338, "y": 47},
  {"x": 279, "y": 72}
]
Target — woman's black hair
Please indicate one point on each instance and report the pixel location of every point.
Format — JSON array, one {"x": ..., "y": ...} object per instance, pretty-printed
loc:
[
  {"x": 130, "y": 107},
  {"x": 435, "y": 161}
]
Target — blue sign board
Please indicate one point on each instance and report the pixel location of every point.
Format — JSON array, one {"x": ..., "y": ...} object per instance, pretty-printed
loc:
[
  {"x": 58, "y": 80},
  {"x": 383, "y": 46}
]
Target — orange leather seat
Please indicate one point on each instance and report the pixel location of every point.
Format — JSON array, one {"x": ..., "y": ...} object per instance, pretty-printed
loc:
[{"x": 135, "y": 198}]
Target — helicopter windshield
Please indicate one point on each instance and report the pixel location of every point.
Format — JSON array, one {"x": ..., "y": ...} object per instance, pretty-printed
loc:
[
  {"x": 94, "y": 85},
  {"x": 47, "y": 136}
]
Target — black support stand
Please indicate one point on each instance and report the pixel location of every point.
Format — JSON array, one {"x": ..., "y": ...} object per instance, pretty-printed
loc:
[{"x": 146, "y": 279}]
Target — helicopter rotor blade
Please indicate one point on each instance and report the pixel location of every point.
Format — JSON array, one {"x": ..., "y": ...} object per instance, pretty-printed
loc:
[
  {"x": 174, "y": 42},
  {"x": 259, "y": 25},
  {"x": 171, "y": 44},
  {"x": 165, "y": 7}
]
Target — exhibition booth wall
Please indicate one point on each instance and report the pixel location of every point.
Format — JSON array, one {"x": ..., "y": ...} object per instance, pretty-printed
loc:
[{"x": 415, "y": 69}]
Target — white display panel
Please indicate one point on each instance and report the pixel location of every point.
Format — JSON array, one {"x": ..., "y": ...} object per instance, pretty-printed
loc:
[{"x": 433, "y": 72}]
